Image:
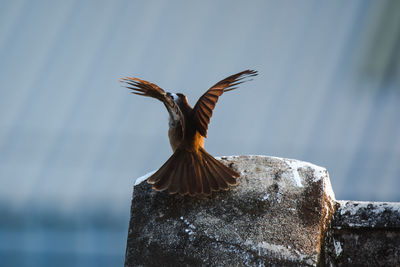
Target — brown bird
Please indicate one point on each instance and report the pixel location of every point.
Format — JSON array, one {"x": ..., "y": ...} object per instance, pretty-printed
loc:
[{"x": 190, "y": 170}]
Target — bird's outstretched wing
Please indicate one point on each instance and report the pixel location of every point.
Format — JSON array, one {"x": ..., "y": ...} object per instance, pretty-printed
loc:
[
  {"x": 145, "y": 88},
  {"x": 204, "y": 107}
]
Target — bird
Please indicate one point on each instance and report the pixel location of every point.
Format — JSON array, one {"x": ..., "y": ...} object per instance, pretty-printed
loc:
[{"x": 191, "y": 170}]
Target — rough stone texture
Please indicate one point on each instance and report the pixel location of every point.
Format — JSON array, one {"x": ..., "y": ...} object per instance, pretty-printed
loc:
[
  {"x": 364, "y": 234},
  {"x": 277, "y": 215}
]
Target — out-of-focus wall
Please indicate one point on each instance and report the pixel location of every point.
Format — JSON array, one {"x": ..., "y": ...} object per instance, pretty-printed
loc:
[{"x": 72, "y": 141}]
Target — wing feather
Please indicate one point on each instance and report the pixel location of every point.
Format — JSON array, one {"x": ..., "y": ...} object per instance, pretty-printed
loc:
[
  {"x": 205, "y": 105},
  {"x": 145, "y": 88}
]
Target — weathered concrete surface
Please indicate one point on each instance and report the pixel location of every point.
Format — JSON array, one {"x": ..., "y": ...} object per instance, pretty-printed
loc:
[
  {"x": 364, "y": 234},
  {"x": 275, "y": 216}
]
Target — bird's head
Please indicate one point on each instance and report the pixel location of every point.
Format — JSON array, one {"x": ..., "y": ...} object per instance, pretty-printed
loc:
[{"x": 179, "y": 99}]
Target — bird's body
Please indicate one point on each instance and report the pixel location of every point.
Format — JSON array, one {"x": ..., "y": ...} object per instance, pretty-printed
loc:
[{"x": 190, "y": 170}]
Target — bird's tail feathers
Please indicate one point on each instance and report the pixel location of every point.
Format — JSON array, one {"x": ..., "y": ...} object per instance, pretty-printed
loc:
[{"x": 193, "y": 173}]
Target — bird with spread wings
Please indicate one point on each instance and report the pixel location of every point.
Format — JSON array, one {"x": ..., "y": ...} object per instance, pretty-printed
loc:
[{"x": 190, "y": 170}]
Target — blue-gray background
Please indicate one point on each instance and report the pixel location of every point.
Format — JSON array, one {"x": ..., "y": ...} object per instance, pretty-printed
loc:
[{"x": 72, "y": 141}]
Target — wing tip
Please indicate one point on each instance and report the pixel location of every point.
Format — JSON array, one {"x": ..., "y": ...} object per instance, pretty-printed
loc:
[{"x": 250, "y": 72}]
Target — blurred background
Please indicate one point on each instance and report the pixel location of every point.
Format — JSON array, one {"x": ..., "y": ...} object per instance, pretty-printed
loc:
[{"x": 73, "y": 141}]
